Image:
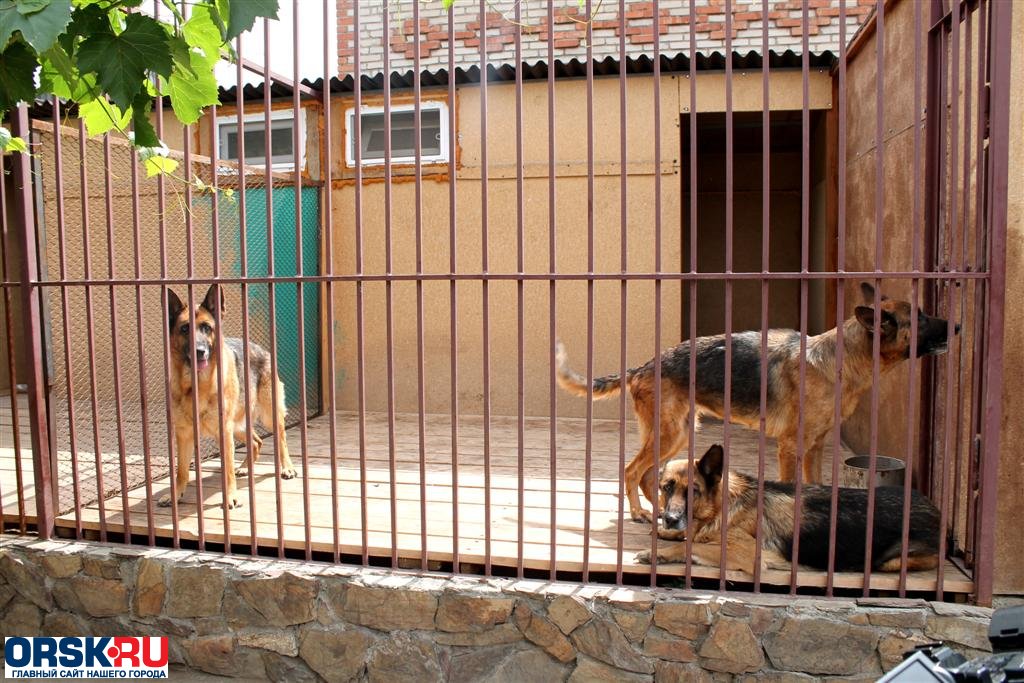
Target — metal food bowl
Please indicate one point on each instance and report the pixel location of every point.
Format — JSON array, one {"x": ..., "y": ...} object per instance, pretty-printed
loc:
[{"x": 888, "y": 471}]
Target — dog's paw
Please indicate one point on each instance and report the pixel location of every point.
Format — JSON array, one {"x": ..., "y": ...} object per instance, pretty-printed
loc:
[
  {"x": 165, "y": 501},
  {"x": 242, "y": 469},
  {"x": 641, "y": 516},
  {"x": 233, "y": 501},
  {"x": 643, "y": 557},
  {"x": 288, "y": 473}
]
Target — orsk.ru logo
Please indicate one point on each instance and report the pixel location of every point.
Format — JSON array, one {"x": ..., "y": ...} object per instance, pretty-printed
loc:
[{"x": 79, "y": 657}]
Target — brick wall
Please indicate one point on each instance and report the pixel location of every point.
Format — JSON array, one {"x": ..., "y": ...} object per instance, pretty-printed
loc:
[{"x": 785, "y": 30}]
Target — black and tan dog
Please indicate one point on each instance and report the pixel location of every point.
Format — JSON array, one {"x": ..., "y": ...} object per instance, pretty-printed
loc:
[
  {"x": 709, "y": 487},
  {"x": 783, "y": 365},
  {"x": 207, "y": 349}
]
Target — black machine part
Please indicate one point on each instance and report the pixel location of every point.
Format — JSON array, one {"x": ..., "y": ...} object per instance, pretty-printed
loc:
[{"x": 1006, "y": 630}]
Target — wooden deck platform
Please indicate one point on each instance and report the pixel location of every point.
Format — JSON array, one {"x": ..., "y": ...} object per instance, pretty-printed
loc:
[{"x": 568, "y": 520}]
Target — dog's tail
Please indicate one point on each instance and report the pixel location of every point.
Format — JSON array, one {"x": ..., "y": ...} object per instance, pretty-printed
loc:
[{"x": 603, "y": 387}]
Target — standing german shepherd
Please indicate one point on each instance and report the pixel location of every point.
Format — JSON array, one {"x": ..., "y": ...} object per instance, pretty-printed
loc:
[
  {"x": 210, "y": 350},
  {"x": 740, "y": 490},
  {"x": 782, "y": 413}
]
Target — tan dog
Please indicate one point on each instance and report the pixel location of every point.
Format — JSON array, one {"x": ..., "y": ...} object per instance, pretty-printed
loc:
[
  {"x": 783, "y": 367},
  {"x": 208, "y": 349},
  {"x": 711, "y": 487}
]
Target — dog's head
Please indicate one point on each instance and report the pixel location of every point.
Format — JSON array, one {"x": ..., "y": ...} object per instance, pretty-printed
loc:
[
  {"x": 895, "y": 326},
  {"x": 203, "y": 344},
  {"x": 675, "y": 480}
]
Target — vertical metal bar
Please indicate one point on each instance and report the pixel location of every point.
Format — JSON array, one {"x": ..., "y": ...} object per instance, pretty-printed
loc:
[
  {"x": 485, "y": 292},
  {"x": 1000, "y": 24},
  {"x": 224, "y": 438},
  {"x": 657, "y": 286},
  {"x": 161, "y": 206},
  {"x": 453, "y": 311},
  {"x": 119, "y": 413},
  {"x": 32, "y": 329},
  {"x": 421, "y": 399},
  {"x": 90, "y": 330},
  {"x": 328, "y": 225},
  {"x": 552, "y": 303},
  {"x": 727, "y": 412},
  {"x": 876, "y": 331},
  {"x": 953, "y": 218},
  {"x": 520, "y": 258},
  {"x": 980, "y": 262},
  {"x": 589, "y": 440},
  {"x": 623, "y": 285},
  {"x": 244, "y": 268},
  {"x": 140, "y": 334},
  {"x": 300, "y": 287},
  {"x": 357, "y": 146},
  {"x": 9, "y": 240},
  {"x": 964, "y": 262},
  {"x": 915, "y": 296},
  {"x": 190, "y": 267},
  {"x": 692, "y": 308},
  {"x": 388, "y": 295},
  {"x": 805, "y": 238},
  {"x": 765, "y": 266},
  {"x": 279, "y": 437},
  {"x": 58, "y": 153}
]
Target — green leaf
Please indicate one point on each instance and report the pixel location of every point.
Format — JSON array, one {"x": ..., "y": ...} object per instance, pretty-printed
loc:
[
  {"x": 242, "y": 14},
  {"x": 101, "y": 116},
  {"x": 201, "y": 31},
  {"x": 31, "y": 6},
  {"x": 59, "y": 76},
  {"x": 447, "y": 4},
  {"x": 40, "y": 28},
  {"x": 17, "y": 67},
  {"x": 9, "y": 143},
  {"x": 145, "y": 134},
  {"x": 191, "y": 92},
  {"x": 121, "y": 61},
  {"x": 158, "y": 165},
  {"x": 180, "y": 53}
]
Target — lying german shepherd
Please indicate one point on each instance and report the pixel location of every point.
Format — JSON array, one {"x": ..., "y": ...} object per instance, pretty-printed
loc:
[
  {"x": 777, "y": 522},
  {"x": 783, "y": 386},
  {"x": 209, "y": 351}
]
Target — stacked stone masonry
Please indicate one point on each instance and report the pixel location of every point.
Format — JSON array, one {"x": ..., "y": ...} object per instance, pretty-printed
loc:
[
  {"x": 402, "y": 35},
  {"x": 291, "y": 621}
]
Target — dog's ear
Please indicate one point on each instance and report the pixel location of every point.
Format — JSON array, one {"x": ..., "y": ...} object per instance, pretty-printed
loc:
[
  {"x": 867, "y": 291},
  {"x": 710, "y": 465},
  {"x": 866, "y": 317},
  {"x": 174, "y": 308},
  {"x": 210, "y": 302}
]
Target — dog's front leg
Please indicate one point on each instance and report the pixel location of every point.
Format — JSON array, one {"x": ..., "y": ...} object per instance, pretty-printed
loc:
[
  {"x": 227, "y": 454},
  {"x": 667, "y": 553},
  {"x": 185, "y": 442}
]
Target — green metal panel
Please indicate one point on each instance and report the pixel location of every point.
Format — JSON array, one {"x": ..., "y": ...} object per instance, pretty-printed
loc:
[{"x": 287, "y": 244}]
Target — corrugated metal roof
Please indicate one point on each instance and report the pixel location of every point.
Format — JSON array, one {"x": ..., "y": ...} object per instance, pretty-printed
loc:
[{"x": 573, "y": 68}]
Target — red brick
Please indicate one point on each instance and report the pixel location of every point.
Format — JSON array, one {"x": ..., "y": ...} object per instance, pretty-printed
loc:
[
  {"x": 789, "y": 23},
  {"x": 437, "y": 35},
  {"x": 566, "y": 42},
  {"x": 471, "y": 42},
  {"x": 642, "y": 38},
  {"x": 462, "y": 35},
  {"x": 706, "y": 27},
  {"x": 828, "y": 12},
  {"x": 639, "y": 14},
  {"x": 747, "y": 16},
  {"x": 641, "y": 5},
  {"x": 717, "y": 35}
]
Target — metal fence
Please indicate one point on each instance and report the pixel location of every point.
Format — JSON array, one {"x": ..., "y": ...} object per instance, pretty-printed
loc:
[{"x": 526, "y": 488}]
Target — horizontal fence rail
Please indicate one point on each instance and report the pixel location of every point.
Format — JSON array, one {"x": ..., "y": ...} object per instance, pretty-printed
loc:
[{"x": 396, "y": 258}]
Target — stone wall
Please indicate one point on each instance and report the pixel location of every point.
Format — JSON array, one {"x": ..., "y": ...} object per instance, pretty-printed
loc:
[{"x": 295, "y": 621}]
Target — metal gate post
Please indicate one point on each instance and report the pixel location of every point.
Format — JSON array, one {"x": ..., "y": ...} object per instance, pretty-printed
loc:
[
  {"x": 997, "y": 181},
  {"x": 23, "y": 217}
]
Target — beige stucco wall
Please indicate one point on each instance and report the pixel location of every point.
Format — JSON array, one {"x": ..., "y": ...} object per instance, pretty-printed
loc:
[
  {"x": 899, "y": 184},
  {"x": 570, "y": 245},
  {"x": 1009, "y": 572}
]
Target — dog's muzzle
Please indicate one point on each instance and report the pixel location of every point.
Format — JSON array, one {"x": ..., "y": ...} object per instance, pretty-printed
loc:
[
  {"x": 202, "y": 358},
  {"x": 674, "y": 519}
]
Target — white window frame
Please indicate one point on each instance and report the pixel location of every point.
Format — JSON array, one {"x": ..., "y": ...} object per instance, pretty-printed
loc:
[
  {"x": 430, "y": 105},
  {"x": 260, "y": 118}
]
